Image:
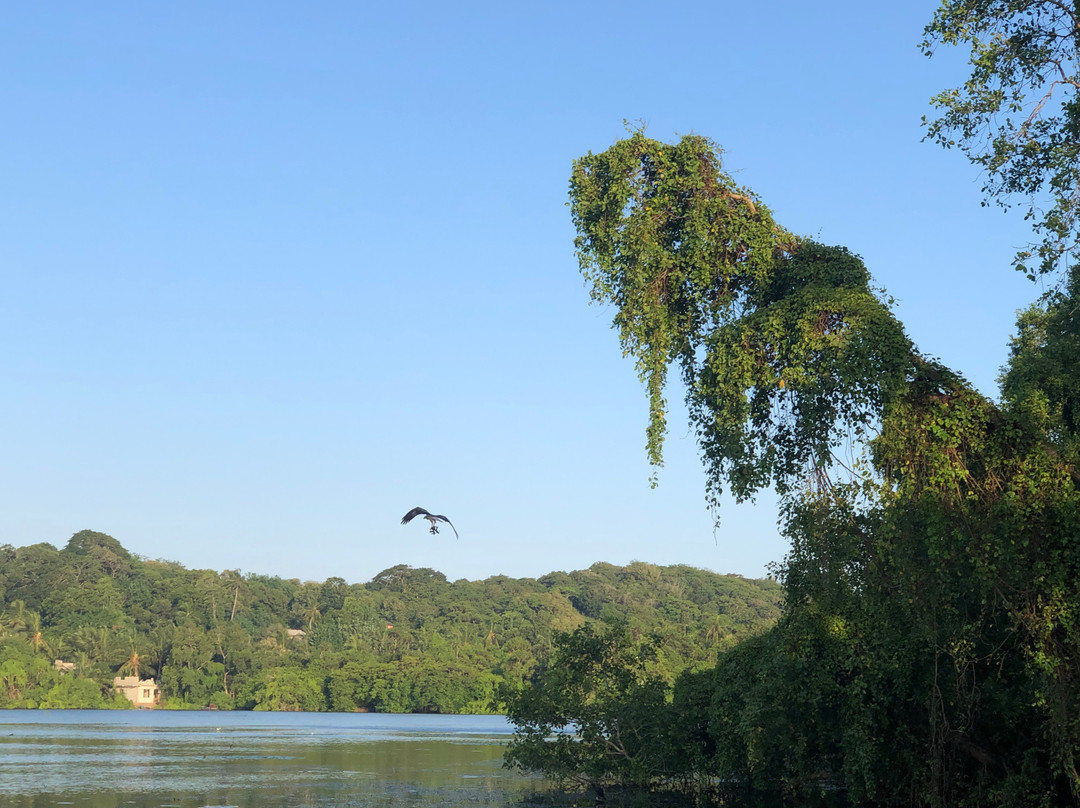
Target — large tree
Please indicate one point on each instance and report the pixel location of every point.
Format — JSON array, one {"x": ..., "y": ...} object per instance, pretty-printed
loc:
[
  {"x": 932, "y": 583},
  {"x": 1018, "y": 114},
  {"x": 785, "y": 350}
]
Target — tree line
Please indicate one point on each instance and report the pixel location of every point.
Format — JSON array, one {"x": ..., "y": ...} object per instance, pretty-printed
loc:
[{"x": 409, "y": 640}]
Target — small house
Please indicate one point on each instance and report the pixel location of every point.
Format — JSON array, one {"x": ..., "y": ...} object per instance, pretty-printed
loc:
[{"x": 140, "y": 692}]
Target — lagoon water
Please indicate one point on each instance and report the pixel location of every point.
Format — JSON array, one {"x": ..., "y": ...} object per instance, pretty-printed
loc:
[{"x": 166, "y": 759}]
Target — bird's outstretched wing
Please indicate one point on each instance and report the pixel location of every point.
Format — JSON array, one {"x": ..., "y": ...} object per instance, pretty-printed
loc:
[
  {"x": 418, "y": 511},
  {"x": 413, "y": 514},
  {"x": 444, "y": 519}
]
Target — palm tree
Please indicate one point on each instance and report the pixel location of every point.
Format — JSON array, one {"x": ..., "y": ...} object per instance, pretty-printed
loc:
[
  {"x": 132, "y": 664},
  {"x": 13, "y": 678},
  {"x": 714, "y": 630},
  {"x": 14, "y": 617},
  {"x": 311, "y": 614},
  {"x": 96, "y": 643},
  {"x": 160, "y": 642},
  {"x": 40, "y": 644},
  {"x": 27, "y": 623}
]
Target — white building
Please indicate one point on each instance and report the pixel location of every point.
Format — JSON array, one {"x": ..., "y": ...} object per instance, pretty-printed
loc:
[{"x": 140, "y": 692}]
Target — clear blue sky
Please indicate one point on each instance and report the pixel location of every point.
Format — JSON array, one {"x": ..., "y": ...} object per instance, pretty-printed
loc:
[{"x": 275, "y": 274}]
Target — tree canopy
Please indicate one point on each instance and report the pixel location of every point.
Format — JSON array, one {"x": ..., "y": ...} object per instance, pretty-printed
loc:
[
  {"x": 1017, "y": 116},
  {"x": 408, "y": 640},
  {"x": 929, "y": 651},
  {"x": 785, "y": 350}
]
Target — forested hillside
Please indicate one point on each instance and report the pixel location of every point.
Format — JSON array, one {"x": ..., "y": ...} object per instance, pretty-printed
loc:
[{"x": 408, "y": 640}]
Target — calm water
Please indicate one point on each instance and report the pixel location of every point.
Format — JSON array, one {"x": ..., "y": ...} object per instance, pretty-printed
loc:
[{"x": 159, "y": 759}]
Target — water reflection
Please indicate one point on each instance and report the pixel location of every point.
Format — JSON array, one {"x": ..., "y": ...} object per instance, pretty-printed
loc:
[{"x": 164, "y": 759}]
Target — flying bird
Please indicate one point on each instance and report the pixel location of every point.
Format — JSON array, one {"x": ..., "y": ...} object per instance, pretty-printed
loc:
[{"x": 434, "y": 518}]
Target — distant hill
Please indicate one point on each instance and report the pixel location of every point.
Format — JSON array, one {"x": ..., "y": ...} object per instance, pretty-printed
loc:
[{"x": 409, "y": 640}]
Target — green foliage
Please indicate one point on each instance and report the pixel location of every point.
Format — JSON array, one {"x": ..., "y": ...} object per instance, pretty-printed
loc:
[
  {"x": 408, "y": 641},
  {"x": 1017, "y": 116},
  {"x": 73, "y": 693},
  {"x": 590, "y": 714},
  {"x": 784, "y": 349},
  {"x": 29, "y": 681},
  {"x": 929, "y": 652},
  {"x": 648, "y": 217},
  {"x": 1042, "y": 381},
  {"x": 288, "y": 690}
]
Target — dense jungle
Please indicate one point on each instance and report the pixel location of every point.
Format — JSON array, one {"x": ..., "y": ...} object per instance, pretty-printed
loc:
[
  {"x": 929, "y": 648},
  {"x": 409, "y": 640}
]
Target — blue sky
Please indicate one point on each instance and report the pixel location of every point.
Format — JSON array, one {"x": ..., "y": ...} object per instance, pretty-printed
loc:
[{"x": 273, "y": 275}]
